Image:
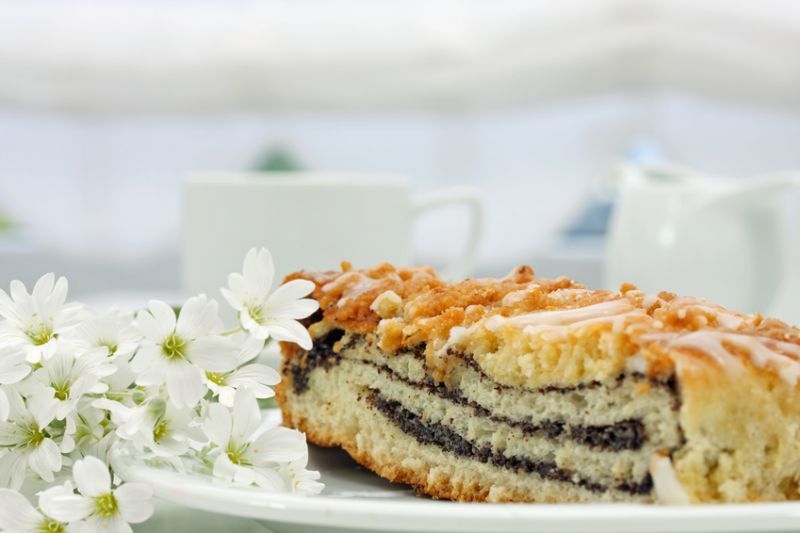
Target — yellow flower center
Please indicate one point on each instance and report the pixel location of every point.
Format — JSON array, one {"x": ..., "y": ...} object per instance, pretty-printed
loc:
[
  {"x": 237, "y": 454},
  {"x": 105, "y": 505},
  {"x": 40, "y": 334},
  {"x": 256, "y": 312},
  {"x": 174, "y": 348},
  {"x": 34, "y": 435},
  {"x": 51, "y": 526},
  {"x": 217, "y": 377},
  {"x": 62, "y": 390},
  {"x": 161, "y": 430},
  {"x": 111, "y": 346}
]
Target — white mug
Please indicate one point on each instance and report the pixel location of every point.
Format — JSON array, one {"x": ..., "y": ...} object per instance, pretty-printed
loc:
[
  {"x": 677, "y": 230},
  {"x": 309, "y": 221}
]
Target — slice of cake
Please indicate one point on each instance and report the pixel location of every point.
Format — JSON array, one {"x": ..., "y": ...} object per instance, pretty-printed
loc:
[{"x": 532, "y": 389}]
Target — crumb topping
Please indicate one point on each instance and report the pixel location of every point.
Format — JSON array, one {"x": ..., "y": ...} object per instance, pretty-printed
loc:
[{"x": 408, "y": 307}]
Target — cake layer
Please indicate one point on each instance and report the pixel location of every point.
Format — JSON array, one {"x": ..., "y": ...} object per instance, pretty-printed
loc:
[
  {"x": 618, "y": 409},
  {"x": 449, "y": 440},
  {"x": 403, "y": 447},
  {"x": 594, "y": 451}
]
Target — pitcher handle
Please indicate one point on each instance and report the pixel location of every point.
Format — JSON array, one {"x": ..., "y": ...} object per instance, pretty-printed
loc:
[{"x": 785, "y": 304}]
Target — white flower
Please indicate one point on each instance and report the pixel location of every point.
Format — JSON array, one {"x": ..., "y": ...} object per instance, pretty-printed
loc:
[
  {"x": 99, "y": 506},
  {"x": 270, "y": 315},
  {"x": 178, "y": 351},
  {"x": 157, "y": 425},
  {"x": 91, "y": 431},
  {"x": 299, "y": 479},
  {"x": 246, "y": 455},
  {"x": 34, "y": 321},
  {"x": 112, "y": 331},
  {"x": 5, "y": 406},
  {"x": 68, "y": 378},
  {"x": 13, "y": 369},
  {"x": 27, "y": 439},
  {"x": 177, "y": 389},
  {"x": 129, "y": 420},
  {"x": 257, "y": 377},
  {"x": 169, "y": 434},
  {"x": 17, "y": 515}
]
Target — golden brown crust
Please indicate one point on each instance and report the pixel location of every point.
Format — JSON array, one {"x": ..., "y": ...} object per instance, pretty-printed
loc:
[{"x": 425, "y": 310}]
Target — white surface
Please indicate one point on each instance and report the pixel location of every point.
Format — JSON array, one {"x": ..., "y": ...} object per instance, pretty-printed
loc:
[
  {"x": 356, "y": 500},
  {"x": 355, "y": 54}
]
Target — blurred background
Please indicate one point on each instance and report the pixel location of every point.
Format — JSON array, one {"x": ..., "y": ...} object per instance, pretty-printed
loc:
[{"x": 106, "y": 106}]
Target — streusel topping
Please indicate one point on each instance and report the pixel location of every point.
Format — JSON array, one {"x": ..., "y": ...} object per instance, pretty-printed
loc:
[{"x": 408, "y": 307}]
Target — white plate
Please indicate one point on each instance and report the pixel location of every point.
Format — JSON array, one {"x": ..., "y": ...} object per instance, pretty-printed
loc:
[{"x": 356, "y": 500}]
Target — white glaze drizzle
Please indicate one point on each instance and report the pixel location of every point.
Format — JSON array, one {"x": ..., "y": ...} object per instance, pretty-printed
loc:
[
  {"x": 669, "y": 490},
  {"x": 555, "y": 325},
  {"x": 650, "y": 300},
  {"x": 605, "y": 310},
  {"x": 514, "y": 297},
  {"x": 457, "y": 337},
  {"x": 354, "y": 283},
  {"x": 711, "y": 342},
  {"x": 725, "y": 318},
  {"x": 636, "y": 364}
]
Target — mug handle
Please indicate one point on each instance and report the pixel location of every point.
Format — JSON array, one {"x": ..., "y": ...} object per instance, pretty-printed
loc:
[{"x": 470, "y": 197}]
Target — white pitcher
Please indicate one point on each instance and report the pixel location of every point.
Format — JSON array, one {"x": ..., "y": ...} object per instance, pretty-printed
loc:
[{"x": 675, "y": 229}]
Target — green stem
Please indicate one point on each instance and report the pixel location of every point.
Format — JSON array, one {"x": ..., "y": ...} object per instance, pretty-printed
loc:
[{"x": 231, "y": 332}]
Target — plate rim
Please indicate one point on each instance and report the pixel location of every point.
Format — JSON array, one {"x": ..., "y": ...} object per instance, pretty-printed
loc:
[{"x": 359, "y": 513}]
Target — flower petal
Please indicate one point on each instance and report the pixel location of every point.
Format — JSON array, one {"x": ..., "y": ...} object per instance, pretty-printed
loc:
[
  {"x": 45, "y": 459},
  {"x": 185, "y": 384},
  {"x": 13, "y": 367},
  {"x": 199, "y": 316},
  {"x": 250, "y": 348},
  {"x": 257, "y": 377},
  {"x": 148, "y": 357},
  {"x": 234, "y": 294},
  {"x": 114, "y": 524},
  {"x": 43, "y": 406},
  {"x": 226, "y": 395},
  {"x": 13, "y": 469},
  {"x": 246, "y": 416},
  {"x": 160, "y": 323},
  {"x": 289, "y": 330},
  {"x": 258, "y": 272},
  {"x": 11, "y": 434},
  {"x": 291, "y": 291},
  {"x": 91, "y": 476},
  {"x": 20, "y": 295},
  {"x": 225, "y": 469},
  {"x": 217, "y": 425},
  {"x": 278, "y": 444},
  {"x": 270, "y": 479},
  {"x": 58, "y": 294},
  {"x": 62, "y": 504},
  {"x": 5, "y": 407},
  {"x": 43, "y": 287},
  {"x": 295, "y": 309},
  {"x": 17, "y": 513},
  {"x": 134, "y": 502},
  {"x": 214, "y": 353}
]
